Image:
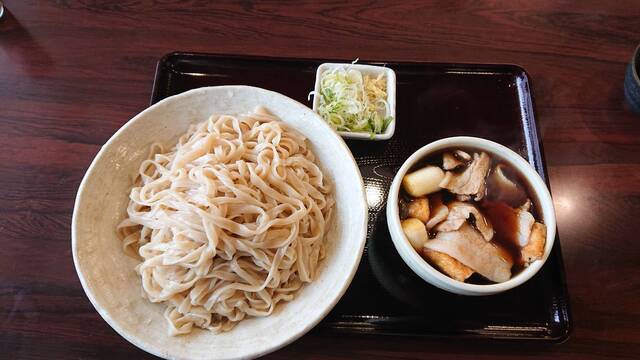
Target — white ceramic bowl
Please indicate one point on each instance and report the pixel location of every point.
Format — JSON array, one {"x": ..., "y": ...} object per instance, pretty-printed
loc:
[
  {"x": 107, "y": 274},
  {"x": 541, "y": 197},
  {"x": 371, "y": 70}
]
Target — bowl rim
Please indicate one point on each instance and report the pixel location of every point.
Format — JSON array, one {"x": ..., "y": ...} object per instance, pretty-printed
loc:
[
  {"x": 431, "y": 274},
  {"x": 391, "y": 98},
  {"x": 635, "y": 64},
  {"x": 138, "y": 341}
]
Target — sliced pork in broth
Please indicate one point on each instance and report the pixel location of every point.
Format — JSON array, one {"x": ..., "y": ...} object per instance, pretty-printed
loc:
[
  {"x": 459, "y": 213},
  {"x": 502, "y": 187},
  {"x": 469, "y": 247},
  {"x": 439, "y": 211},
  {"x": 471, "y": 181}
]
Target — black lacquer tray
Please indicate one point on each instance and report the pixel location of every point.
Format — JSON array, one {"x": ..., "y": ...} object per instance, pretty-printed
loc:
[{"x": 433, "y": 101}]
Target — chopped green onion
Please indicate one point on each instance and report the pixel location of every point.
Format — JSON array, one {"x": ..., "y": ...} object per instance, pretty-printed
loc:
[{"x": 352, "y": 102}]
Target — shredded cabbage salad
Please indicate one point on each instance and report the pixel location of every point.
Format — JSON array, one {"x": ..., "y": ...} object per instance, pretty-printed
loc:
[{"x": 352, "y": 102}]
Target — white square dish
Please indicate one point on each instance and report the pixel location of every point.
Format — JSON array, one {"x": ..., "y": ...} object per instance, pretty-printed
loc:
[{"x": 371, "y": 70}]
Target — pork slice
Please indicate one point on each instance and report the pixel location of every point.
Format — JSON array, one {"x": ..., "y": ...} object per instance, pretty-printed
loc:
[
  {"x": 469, "y": 247},
  {"x": 450, "y": 161},
  {"x": 439, "y": 210},
  {"x": 471, "y": 181},
  {"x": 459, "y": 212}
]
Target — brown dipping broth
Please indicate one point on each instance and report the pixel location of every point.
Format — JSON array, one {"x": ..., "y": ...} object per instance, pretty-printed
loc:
[{"x": 493, "y": 208}]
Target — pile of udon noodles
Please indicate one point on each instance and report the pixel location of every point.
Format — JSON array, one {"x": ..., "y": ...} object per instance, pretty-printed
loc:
[{"x": 229, "y": 222}]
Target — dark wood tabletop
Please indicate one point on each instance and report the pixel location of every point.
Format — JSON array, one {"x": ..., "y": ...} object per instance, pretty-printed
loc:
[{"x": 72, "y": 72}]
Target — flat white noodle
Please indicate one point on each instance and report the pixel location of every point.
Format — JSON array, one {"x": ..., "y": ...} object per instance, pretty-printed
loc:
[{"x": 229, "y": 222}]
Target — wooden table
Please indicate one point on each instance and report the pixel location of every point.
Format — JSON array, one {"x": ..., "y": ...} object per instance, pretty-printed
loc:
[{"x": 72, "y": 72}]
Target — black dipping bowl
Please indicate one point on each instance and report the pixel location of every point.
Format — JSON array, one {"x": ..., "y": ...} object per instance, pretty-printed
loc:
[{"x": 632, "y": 82}]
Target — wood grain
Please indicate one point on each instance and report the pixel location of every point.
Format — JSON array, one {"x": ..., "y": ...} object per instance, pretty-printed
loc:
[{"x": 72, "y": 72}]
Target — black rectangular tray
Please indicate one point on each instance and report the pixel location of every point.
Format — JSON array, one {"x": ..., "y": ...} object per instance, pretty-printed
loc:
[{"x": 433, "y": 101}]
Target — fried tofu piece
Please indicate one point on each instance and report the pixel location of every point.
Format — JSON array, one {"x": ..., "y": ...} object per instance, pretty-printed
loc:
[
  {"x": 535, "y": 247},
  {"x": 419, "y": 209},
  {"x": 448, "y": 265}
]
